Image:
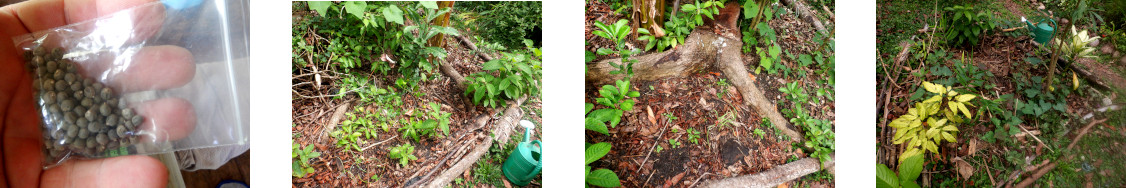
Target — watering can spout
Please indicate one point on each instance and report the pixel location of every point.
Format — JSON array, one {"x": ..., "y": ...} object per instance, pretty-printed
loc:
[{"x": 1025, "y": 20}]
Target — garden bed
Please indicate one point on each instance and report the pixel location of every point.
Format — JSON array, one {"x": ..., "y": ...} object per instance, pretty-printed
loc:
[
  {"x": 327, "y": 99},
  {"x": 653, "y": 145},
  {"x": 1021, "y": 133}
]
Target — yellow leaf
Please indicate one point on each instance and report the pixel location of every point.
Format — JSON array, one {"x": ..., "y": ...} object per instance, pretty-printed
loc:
[
  {"x": 933, "y": 88},
  {"x": 953, "y": 106},
  {"x": 951, "y": 93},
  {"x": 914, "y": 123},
  {"x": 950, "y": 128},
  {"x": 939, "y": 123},
  {"x": 934, "y": 99},
  {"x": 949, "y": 138},
  {"x": 930, "y": 146},
  {"x": 965, "y": 110},
  {"x": 1074, "y": 81},
  {"x": 964, "y": 97}
]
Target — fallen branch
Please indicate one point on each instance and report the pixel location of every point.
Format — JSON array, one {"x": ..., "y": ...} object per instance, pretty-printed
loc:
[
  {"x": 1048, "y": 168},
  {"x": 378, "y": 143},
  {"x": 804, "y": 12},
  {"x": 332, "y": 122},
  {"x": 774, "y": 176},
  {"x": 501, "y": 131}
]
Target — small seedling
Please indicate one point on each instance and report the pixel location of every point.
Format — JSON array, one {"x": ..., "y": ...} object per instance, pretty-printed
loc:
[
  {"x": 674, "y": 143},
  {"x": 722, "y": 83},
  {"x": 404, "y": 153},
  {"x": 669, "y": 117},
  {"x": 759, "y": 132},
  {"x": 659, "y": 148},
  {"x": 693, "y": 135}
]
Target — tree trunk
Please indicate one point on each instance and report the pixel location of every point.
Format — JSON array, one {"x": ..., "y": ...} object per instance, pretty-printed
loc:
[{"x": 442, "y": 20}]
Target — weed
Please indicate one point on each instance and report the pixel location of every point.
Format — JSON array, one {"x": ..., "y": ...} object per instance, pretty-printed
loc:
[
  {"x": 301, "y": 166},
  {"x": 600, "y": 177},
  {"x": 693, "y": 135},
  {"x": 669, "y": 117},
  {"x": 517, "y": 75},
  {"x": 404, "y": 153},
  {"x": 722, "y": 84},
  {"x": 964, "y": 25},
  {"x": 674, "y": 143},
  {"x": 759, "y": 132}
]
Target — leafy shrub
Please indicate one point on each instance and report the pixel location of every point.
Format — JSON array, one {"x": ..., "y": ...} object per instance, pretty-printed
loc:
[
  {"x": 963, "y": 25},
  {"x": 768, "y": 58},
  {"x": 909, "y": 170},
  {"x": 517, "y": 75},
  {"x": 911, "y": 130},
  {"x": 508, "y": 23},
  {"x": 758, "y": 12},
  {"x": 404, "y": 153},
  {"x": 301, "y": 165},
  {"x": 1076, "y": 46},
  {"x": 617, "y": 98},
  {"x": 678, "y": 27},
  {"x": 438, "y": 120},
  {"x": 355, "y": 127},
  {"x": 600, "y": 177}
]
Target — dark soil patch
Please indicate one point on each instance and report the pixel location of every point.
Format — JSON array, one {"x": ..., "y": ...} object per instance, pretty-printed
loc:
[{"x": 733, "y": 152}]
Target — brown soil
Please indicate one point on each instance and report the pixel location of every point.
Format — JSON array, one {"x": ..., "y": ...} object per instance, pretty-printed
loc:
[
  {"x": 697, "y": 102},
  {"x": 348, "y": 168}
]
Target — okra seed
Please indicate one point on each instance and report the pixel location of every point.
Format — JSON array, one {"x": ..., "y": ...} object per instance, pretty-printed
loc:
[
  {"x": 87, "y": 102},
  {"x": 91, "y": 114},
  {"x": 106, "y": 93},
  {"x": 102, "y": 138},
  {"x": 76, "y": 86},
  {"x": 105, "y": 110},
  {"x": 82, "y": 133},
  {"x": 60, "y": 85},
  {"x": 58, "y": 74}
]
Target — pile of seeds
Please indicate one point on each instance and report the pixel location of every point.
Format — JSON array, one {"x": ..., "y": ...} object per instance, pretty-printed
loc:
[{"x": 80, "y": 115}]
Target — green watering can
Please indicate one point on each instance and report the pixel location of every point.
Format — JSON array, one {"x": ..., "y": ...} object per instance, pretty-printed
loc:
[
  {"x": 524, "y": 163},
  {"x": 1041, "y": 32}
]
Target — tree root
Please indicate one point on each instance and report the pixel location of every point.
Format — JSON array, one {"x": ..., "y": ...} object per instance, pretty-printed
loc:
[
  {"x": 702, "y": 49},
  {"x": 774, "y": 176}
]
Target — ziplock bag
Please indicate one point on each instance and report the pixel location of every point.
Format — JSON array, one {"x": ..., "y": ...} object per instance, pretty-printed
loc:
[{"x": 155, "y": 78}]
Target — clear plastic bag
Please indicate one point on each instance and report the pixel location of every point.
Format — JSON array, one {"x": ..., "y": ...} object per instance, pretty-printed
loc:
[{"x": 146, "y": 80}]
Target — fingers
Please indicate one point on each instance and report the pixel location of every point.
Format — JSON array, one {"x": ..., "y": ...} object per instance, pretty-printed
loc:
[
  {"x": 151, "y": 68},
  {"x": 166, "y": 119},
  {"x": 45, "y": 14},
  {"x": 125, "y": 171}
]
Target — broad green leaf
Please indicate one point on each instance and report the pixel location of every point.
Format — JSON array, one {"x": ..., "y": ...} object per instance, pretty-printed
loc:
[
  {"x": 885, "y": 178},
  {"x": 491, "y": 65},
  {"x": 429, "y": 4},
  {"x": 320, "y": 6},
  {"x": 597, "y": 126},
  {"x": 603, "y": 178},
  {"x": 356, "y": 8},
  {"x": 597, "y": 151},
  {"x": 910, "y": 168},
  {"x": 391, "y": 13}
]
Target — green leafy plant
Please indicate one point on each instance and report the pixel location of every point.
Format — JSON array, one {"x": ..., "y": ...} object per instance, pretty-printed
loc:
[
  {"x": 617, "y": 96},
  {"x": 404, "y": 153},
  {"x": 669, "y": 117},
  {"x": 600, "y": 177},
  {"x": 509, "y": 22},
  {"x": 820, "y": 138},
  {"x": 693, "y": 136},
  {"x": 517, "y": 75},
  {"x": 674, "y": 143},
  {"x": 759, "y": 132},
  {"x": 920, "y": 137},
  {"x": 357, "y": 126},
  {"x": 909, "y": 170},
  {"x": 769, "y": 58},
  {"x": 964, "y": 25},
  {"x": 301, "y": 166},
  {"x": 678, "y": 27},
  {"x": 443, "y": 118},
  {"x": 758, "y": 12},
  {"x": 1076, "y": 47},
  {"x": 417, "y": 129},
  {"x": 722, "y": 84}
]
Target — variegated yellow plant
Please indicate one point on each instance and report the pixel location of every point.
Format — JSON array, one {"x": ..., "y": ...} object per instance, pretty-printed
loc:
[
  {"x": 920, "y": 137},
  {"x": 1077, "y": 47}
]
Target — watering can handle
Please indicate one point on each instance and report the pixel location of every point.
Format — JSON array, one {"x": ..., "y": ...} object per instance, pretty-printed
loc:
[
  {"x": 1054, "y": 25},
  {"x": 536, "y": 170}
]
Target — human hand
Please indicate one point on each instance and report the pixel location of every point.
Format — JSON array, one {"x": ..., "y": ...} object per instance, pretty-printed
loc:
[{"x": 21, "y": 157}]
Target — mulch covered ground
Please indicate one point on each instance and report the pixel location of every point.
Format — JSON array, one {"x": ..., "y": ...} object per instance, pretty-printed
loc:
[
  {"x": 339, "y": 168},
  {"x": 727, "y": 147}
]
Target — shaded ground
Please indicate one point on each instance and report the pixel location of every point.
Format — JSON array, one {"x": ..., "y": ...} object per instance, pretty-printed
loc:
[
  {"x": 642, "y": 155},
  {"x": 1004, "y": 55},
  {"x": 348, "y": 168}
]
